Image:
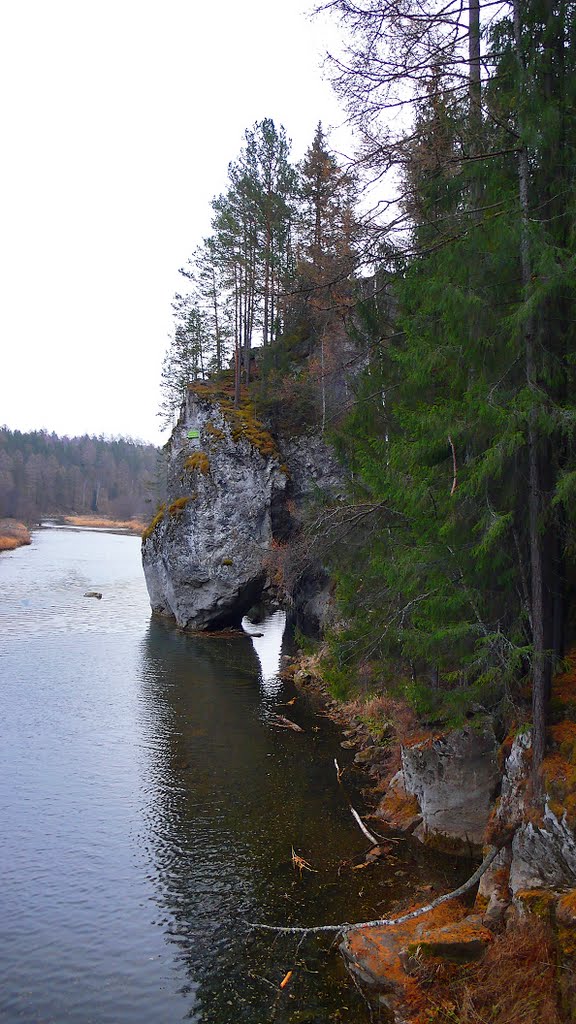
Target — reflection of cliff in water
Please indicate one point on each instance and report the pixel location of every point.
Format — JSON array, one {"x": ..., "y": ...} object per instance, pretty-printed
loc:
[{"x": 225, "y": 798}]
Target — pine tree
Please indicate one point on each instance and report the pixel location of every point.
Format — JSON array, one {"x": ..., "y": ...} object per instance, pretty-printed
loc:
[{"x": 185, "y": 357}]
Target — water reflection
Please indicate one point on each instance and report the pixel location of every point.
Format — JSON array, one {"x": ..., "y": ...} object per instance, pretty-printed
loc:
[
  {"x": 225, "y": 797},
  {"x": 149, "y": 806},
  {"x": 267, "y": 640}
]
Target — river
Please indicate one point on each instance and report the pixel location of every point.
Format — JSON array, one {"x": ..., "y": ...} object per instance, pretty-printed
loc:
[{"x": 149, "y": 807}]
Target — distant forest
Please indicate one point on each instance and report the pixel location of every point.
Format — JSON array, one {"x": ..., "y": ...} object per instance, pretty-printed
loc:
[{"x": 42, "y": 474}]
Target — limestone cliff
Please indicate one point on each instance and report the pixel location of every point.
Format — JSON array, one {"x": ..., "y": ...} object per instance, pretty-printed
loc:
[{"x": 234, "y": 497}]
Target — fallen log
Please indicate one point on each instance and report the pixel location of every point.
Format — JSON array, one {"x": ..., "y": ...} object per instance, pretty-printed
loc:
[{"x": 384, "y": 922}]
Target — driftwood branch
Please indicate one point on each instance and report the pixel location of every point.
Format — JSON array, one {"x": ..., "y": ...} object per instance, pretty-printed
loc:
[
  {"x": 385, "y": 922},
  {"x": 372, "y": 839}
]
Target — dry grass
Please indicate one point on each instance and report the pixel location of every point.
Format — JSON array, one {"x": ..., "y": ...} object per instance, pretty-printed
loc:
[
  {"x": 515, "y": 983},
  {"x": 13, "y": 535},
  {"x": 105, "y": 523}
]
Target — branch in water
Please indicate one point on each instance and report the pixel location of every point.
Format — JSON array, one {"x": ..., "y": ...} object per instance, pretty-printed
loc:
[{"x": 386, "y": 922}]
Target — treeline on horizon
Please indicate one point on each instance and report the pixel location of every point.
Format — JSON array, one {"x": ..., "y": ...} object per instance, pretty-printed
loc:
[{"x": 42, "y": 474}]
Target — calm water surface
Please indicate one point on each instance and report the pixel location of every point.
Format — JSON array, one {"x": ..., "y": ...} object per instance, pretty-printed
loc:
[{"x": 148, "y": 806}]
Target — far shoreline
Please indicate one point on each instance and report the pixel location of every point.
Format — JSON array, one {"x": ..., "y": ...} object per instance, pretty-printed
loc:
[{"x": 96, "y": 522}]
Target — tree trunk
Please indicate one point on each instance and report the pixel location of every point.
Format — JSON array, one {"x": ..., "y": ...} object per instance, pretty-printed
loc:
[
  {"x": 540, "y": 657},
  {"x": 474, "y": 85}
]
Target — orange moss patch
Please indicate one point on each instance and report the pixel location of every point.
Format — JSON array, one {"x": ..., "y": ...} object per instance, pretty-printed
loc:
[
  {"x": 459, "y": 942},
  {"x": 400, "y": 810},
  {"x": 376, "y": 951},
  {"x": 421, "y": 738},
  {"x": 563, "y": 698},
  {"x": 245, "y": 426},
  {"x": 506, "y": 746},
  {"x": 559, "y": 776},
  {"x": 563, "y": 736},
  {"x": 149, "y": 530},
  {"x": 567, "y": 906},
  {"x": 177, "y": 507},
  {"x": 199, "y": 461},
  {"x": 214, "y": 432}
]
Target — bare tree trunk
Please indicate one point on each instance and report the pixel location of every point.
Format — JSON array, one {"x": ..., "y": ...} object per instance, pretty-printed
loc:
[{"x": 474, "y": 86}]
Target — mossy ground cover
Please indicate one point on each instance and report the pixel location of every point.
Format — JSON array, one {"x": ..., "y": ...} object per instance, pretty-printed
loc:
[{"x": 242, "y": 422}]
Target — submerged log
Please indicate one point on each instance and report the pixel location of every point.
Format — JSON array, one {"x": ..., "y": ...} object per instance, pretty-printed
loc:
[{"x": 284, "y": 723}]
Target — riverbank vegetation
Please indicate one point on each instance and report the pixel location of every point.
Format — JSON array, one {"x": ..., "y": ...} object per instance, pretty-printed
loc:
[{"x": 13, "y": 535}]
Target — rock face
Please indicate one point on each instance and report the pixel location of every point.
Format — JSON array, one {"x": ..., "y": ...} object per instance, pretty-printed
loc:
[
  {"x": 453, "y": 778},
  {"x": 384, "y": 959},
  {"x": 543, "y": 853},
  {"x": 232, "y": 501}
]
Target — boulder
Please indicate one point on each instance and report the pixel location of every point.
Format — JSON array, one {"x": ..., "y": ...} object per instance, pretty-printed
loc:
[
  {"x": 379, "y": 957},
  {"x": 454, "y": 778}
]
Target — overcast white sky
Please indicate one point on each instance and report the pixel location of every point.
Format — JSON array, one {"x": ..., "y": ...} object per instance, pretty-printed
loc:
[{"x": 118, "y": 122}]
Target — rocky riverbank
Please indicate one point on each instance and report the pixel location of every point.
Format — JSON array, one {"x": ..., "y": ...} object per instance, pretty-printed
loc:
[
  {"x": 13, "y": 534},
  {"x": 463, "y": 792}
]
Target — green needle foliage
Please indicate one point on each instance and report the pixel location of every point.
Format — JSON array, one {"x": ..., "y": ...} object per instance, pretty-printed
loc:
[{"x": 469, "y": 399}]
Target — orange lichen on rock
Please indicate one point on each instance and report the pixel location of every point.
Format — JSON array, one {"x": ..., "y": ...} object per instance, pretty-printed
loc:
[
  {"x": 400, "y": 810},
  {"x": 539, "y": 902},
  {"x": 374, "y": 956},
  {"x": 458, "y": 942}
]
